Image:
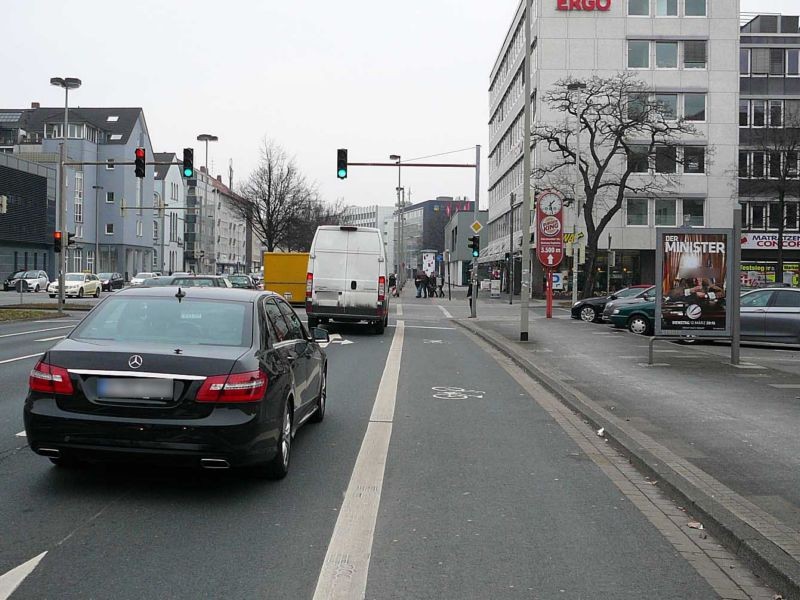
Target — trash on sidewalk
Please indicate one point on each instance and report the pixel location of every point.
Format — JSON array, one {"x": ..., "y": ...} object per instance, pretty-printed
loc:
[
  {"x": 695, "y": 525},
  {"x": 601, "y": 432}
]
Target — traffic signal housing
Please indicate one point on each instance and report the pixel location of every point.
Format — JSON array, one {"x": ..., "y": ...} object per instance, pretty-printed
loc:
[
  {"x": 188, "y": 163},
  {"x": 475, "y": 245},
  {"x": 70, "y": 239},
  {"x": 341, "y": 163},
  {"x": 57, "y": 242},
  {"x": 139, "y": 163}
]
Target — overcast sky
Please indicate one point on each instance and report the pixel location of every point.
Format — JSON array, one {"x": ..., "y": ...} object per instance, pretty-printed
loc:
[{"x": 373, "y": 76}]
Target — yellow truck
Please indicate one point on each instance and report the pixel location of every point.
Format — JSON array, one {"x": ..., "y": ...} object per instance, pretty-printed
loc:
[{"x": 285, "y": 273}]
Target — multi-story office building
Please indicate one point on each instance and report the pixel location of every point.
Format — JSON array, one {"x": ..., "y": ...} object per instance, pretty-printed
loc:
[
  {"x": 769, "y": 130},
  {"x": 170, "y": 199},
  {"x": 231, "y": 230},
  {"x": 96, "y": 195},
  {"x": 381, "y": 217},
  {"x": 457, "y": 233},
  {"x": 683, "y": 50}
]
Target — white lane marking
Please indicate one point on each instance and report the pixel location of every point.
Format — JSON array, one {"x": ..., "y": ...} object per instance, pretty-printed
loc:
[
  {"x": 424, "y": 327},
  {"x": 445, "y": 311},
  {"x": 21, "y": 434},
  {"x": 785, "y": 386},
  {"x": 344, "y": 572},
  {"x": 50, "y": 339},
  {"x": 5, "y": 335},
  {"x": 11, "y": 580},
  {"x": 9, "y": 360},
  {"x": 57, "y": 320},
  {"x": 399, "y": 310}
]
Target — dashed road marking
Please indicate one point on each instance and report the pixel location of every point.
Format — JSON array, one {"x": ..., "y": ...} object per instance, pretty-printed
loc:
[
  {"x": 5, "y": 335},
  {"x": 21, "y": 434},
  {"x": 445, "y": 312},
  {"x": 51, "y": 339},
  {"x": 10, "y": 360},
  {"x": 785, "y": 386}
]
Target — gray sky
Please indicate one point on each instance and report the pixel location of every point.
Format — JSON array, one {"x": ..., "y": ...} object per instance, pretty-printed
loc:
[{"x": 375, "y": 77}]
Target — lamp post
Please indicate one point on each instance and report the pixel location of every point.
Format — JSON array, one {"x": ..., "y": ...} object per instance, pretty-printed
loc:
[
  {"x": 96, "y": 189},
  {"x": 400, "y": 207},
  {"x": 68, "y": 83},
  {"x": 576, "y": 86},
  {"x": 207, "y": 137}
]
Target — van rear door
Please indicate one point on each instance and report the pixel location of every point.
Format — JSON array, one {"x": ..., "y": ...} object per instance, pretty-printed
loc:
[
  {"x": 363, "y": 269},
  {"x": 330, "y": 266}
]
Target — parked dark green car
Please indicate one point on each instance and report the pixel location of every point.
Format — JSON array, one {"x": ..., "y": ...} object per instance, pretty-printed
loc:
[{"x": 637, "y": 318}]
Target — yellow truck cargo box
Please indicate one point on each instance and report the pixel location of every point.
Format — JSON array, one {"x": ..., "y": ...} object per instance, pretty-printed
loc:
[{"x": 285, "y": 274}]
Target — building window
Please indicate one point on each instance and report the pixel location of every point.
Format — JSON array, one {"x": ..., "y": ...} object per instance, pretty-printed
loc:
[
  {"x": 793, "y": 62},
  {"x": 695, "y": 8},
  {"x": 155, "y": 229},
  {"x": 694, "y": 54},
  {"x": 79, "y": 230},
  {"x": 744, "y": 61},
  {"x": 666, "y": 8},
  {"x": 77, "y": 260},
  {"x": 759, "y": 61},
  {"x": 139, "y": 228},
  {"x": 744, "y": 113},
  {"x": 666, "y": 55},
  {"x": 638, "y": 54},
  {"x": 665, "y": 212},
  {"x": 79, "y": 197},
  {"x": 666, "y": 159},
  {"x": 110, "y": 197},
  {"x": 694, "y": 107},
  {"x": 637, "y": 159},
  {"x": 637, "y": 212},
  {"x": 694, "y": 159},
  {"x": 109, "y": 229},
  {"x": 758, "y": 214},
  {"x": 110, "y": 164},
  {"x": 757, "y": 165},
  {"x": 776, "y": 58},
  {"x": 793, "y": 113},
  {"x": 112, "y": 119},
  {"x": 791, "y": 216},
  {"x": 669, "y": 105},
  {"x": 90, "y": 261},
  {"x": 694, "y": 209},
  {"x": 759, "y": 112},
  {"x": 776, "y": 113},
  {"x": 637, "y": 106},
  {"x": 792, "y": 169},
  {"x": 774, "y": 164}
]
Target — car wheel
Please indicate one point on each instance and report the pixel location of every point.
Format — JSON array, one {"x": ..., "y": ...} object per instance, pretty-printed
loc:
[
  {"x": 312, "y": 322},
  {"x": 588, "y": 314},
  {"x": 36, "y": 289},
  {"x": 639, "y": 325},
  {"x": 80, "y": 293},
  {"x": 97, "y": 292},
  {"x": 52, "y": 295},
  {"x": 379, "y": 328},
  {"x": 319, "y": 412},
  {"x": 278, "y": 467},
  {"x": 386, "y": 321}
]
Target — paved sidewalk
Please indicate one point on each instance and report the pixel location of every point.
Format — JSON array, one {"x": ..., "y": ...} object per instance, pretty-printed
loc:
[{"x": 722, "y": 439}]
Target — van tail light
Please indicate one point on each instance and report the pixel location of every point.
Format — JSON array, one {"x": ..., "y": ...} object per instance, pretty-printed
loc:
[
  {"x": 236, "y": 387},
  {"x": 309, "y": 285},
  {"x": 381, "y": 288},
  {"x": 50, "y": 379}
]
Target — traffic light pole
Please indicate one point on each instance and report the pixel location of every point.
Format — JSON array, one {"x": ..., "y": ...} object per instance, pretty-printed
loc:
[
  {"x": 526, "y": 183},
  {"x": 474, "y": 276}
]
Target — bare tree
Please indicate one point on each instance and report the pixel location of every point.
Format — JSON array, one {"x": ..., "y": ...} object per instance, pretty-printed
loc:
[
  {"x": 768, "y": 169},
  {"x": 313, "y": 213},
  {"x": 624, "y": 130}
]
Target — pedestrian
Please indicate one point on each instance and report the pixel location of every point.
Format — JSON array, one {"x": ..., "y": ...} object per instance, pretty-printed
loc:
[
  {"x": 393, "y": 285},
  {"x": 418, "y": 282},
  {"x": 424, "y": 284},
  {"x": 469, "y": 295},
  {"x": 432, "y": 285}
]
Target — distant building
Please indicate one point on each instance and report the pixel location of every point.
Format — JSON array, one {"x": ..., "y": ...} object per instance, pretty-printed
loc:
[
  {"x": 456, "y": 235},
  {"x": 231, "y": 231},
  {"x": 366, "y": 216},
  {"x": 170, "y": 190}
]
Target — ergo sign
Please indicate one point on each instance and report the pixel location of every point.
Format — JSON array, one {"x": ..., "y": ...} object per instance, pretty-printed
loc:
[{"x": 583, "y": 4}]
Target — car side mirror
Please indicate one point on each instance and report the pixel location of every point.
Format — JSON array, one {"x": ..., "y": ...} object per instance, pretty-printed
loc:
[
  {"x": 321, "y": 336},
  {"x": 612, "y": 297}
]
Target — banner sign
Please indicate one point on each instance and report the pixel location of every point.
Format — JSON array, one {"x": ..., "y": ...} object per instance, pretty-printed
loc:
[
  {"x": 549, "y": 228},
  {"x": 769, "y": 241},
  {"x": 694, "y": 270}
]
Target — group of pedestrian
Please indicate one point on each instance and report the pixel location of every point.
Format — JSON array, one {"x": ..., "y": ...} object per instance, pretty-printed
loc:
[{"x": 427, "y": 285}]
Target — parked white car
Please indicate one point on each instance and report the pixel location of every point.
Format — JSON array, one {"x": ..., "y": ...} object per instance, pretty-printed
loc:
[
  {"x": 140, "y": 277},
  {"x": 36, "y": 280},
  {"x": 78, "y": 285}
]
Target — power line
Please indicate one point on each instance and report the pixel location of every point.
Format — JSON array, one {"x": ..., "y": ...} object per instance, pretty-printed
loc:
[{"x": 435, "y": 155}]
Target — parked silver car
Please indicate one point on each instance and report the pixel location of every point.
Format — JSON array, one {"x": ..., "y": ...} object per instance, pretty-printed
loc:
[
  {"x": 36, "y": 280},
  {"x": 771, "y": 315}
]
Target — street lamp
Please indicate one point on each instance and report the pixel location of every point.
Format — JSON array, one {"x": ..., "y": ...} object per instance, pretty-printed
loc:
[
  {"x": 68, "y": 83},
  {"x": 207, "y": 137},
  {"x": 96, "y": 189},
  {"x": 400, "y": 265},
  {"x": 576, "y": 86}
]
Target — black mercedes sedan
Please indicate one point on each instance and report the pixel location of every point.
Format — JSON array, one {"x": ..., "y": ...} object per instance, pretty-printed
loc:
[
  {"x": 207, "y": 377},
  {"x": 111, "y": 281}
]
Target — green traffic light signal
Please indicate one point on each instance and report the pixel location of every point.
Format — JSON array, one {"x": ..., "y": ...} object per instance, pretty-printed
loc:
[
  {"x": 188, "y": 163},
  {"x": 341, "y": 163},
  {"x": 342, "y": 173},
  {"x": 187, "y": 172}
]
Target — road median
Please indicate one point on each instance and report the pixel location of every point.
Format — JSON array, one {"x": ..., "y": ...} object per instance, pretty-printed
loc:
[{"x": 770, "y": 548}]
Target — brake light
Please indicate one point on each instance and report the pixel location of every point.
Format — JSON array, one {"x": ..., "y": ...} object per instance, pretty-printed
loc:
[
  {"x": 381, "y": 288},
  {"x": 236, "y": 387},
  {"x": 50, "y": 379},
  {"x": 309, "y": 285}
]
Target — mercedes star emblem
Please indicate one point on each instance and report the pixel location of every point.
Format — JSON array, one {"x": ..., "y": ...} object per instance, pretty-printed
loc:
[{"x": 135, "y": 361}]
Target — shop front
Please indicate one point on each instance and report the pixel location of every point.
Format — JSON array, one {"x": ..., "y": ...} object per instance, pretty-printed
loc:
[{"x": 759, "y": 260}]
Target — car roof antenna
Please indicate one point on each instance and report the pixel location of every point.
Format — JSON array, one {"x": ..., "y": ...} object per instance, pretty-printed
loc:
[{"x": 180, "y": 295}]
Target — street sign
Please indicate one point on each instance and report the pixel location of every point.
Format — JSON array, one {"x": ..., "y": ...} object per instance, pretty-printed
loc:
[
  {"x": 476, "y": 227},
  {"x": 549, "y": 226}
]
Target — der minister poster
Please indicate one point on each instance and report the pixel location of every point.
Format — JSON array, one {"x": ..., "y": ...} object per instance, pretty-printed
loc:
[{"x": 695, "y": 272}]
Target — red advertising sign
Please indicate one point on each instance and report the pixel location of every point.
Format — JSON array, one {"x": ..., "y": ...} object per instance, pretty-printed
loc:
[
  {"x": 583, "y": 4},
  {"x": 550, "y": 228}
]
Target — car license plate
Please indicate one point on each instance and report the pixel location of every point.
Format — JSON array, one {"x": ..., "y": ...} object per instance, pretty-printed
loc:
[{"x": 149, "y": 389}]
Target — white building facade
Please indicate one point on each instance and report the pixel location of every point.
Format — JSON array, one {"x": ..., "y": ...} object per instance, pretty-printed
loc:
[
  {"x": 170, "y": 197},
  {"x": 685, "y": 51}
]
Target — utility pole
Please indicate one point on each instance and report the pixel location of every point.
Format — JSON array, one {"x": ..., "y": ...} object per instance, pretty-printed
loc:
[
  {"x": 475, "y": 282},
  {"x": 526, "y": 180},
  {"x": 735, "y": 285},
  {"x": 576, "y": 86},
  {"x": 511, "y": 199},
  {"x": 96, "y": 227}
]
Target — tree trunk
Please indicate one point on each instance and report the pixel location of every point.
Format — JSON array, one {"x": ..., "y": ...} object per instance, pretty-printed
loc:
[
  {"x": 781, "y": 226},
  {"x": 590, "y": 275}
]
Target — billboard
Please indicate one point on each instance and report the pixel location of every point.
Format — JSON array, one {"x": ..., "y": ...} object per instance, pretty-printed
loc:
[{"x": 693, "y": 268}]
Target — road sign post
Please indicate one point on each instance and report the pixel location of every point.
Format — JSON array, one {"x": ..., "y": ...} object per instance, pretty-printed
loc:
[{"x": 550, "y": 238}]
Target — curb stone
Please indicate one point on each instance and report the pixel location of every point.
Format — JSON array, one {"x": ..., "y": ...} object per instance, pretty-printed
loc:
[{"x": 765, "y": 558}]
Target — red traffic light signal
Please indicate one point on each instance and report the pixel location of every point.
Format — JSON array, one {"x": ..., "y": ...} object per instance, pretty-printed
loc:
[
  {"x": 57, "y": 241},
  {"x": 139, "y": 163}
]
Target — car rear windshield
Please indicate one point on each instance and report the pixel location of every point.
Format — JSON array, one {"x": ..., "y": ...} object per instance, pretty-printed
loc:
[
  {"x": 194, "y": 282},
  {"x": 167, "y": 321}
]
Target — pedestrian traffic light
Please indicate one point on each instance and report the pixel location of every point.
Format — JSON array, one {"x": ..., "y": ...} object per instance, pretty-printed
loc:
[
  {"x": 188, "y": 162},
  {"x": 341, "y": 163},
  {"x": 139, "y": 163},
  {"x": 70, "y": 239},
  {"x": 57, "y": 242},
  {"x": 475, "y": 245}
]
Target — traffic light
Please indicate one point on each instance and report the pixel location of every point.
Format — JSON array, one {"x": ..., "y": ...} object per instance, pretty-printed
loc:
[
  {"x": 139, "y": 164},
  {"x": 57, "y": 242},
  {"x": 475, "y": 245},
  {"x": 188, "y": 163},
  {"x": 70, "y": 239},
  {"x": 341, "y": 163}
]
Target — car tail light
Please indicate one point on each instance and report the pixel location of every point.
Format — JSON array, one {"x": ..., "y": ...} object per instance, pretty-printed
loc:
[
  {"x": 50, "y": 379},
  {"x": 309, "y": 285},
  {"x": 381, "y": 288},
  {"x": 236, "y": 387}
]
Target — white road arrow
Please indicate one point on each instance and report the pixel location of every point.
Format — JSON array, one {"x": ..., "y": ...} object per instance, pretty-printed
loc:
[{"x": 11, "y": 580}]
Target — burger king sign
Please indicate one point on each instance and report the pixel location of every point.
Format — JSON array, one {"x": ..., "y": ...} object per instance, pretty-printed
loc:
[{"x": 549, "y": 228}]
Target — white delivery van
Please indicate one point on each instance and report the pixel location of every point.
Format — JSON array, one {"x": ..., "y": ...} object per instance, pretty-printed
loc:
[{"x": 347, "y": 278}]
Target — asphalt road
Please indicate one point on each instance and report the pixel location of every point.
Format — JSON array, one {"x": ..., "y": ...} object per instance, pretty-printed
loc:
[{"x": 483, "y": 496}]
